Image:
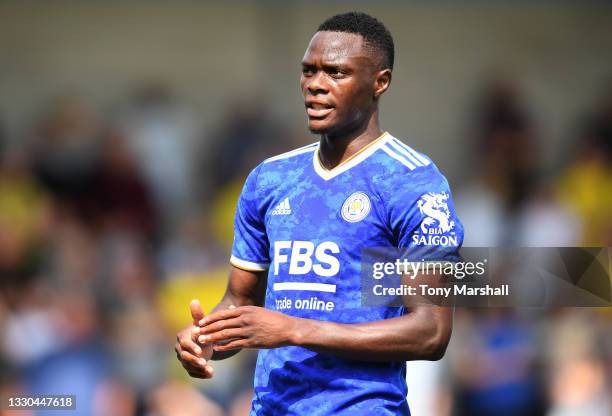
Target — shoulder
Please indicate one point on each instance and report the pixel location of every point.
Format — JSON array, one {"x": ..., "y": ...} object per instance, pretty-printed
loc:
[
  {"x": 292, "y": 154},
  {"x": 406, "y": 167},
  {"x": 279, "y": 168},
  {"x": 403, "y": 157}
]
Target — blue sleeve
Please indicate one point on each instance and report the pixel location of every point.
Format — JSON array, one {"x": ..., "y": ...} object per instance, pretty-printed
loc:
[
  {"x": 250, "y": 250},
  {"x": 423, "y": 217}
]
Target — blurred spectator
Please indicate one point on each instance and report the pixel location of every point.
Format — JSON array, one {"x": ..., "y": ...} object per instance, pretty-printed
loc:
[
  {"x": 494, "y": 362},
  {"x": 192, "y": 250},
  {"x": 3, "y": 141},
  {"x": 247, "y": 135},
  {"x": 579, "y": 384},
  {"x": 586, "y": 184},
  {"x": 545, "y": 221},
  {"x": 114, "y": 398},
  {"x": 162, "y": 132},
  {"x": 222, "y": 209},
  {"x": 173, "y": 399},
  {"x": 241, "y": 405},
  {"x": 126, "y": 288},
  {"x": 29, "y": 315},
  {"x": 428, "y": 393},
  {"x": 120, "y": 196},
  {"x": 482, "y": 214},
  {"x": 506, "y": 142},
  {"x": 65, "y": 151},
  {"x": 24, "y": 213},
  {"x": 506, "y": 156}
]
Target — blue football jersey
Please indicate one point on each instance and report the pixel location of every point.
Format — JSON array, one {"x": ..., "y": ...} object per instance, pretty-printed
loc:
[{"x": 307, "y": 225}]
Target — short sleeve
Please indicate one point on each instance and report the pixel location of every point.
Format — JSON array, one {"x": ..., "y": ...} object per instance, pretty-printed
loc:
[
  {"x": 423, "y": 218},
  {"x": 250, "y": 250}
]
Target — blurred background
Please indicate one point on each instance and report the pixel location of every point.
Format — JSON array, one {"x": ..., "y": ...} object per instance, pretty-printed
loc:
[{"x": 126, "y": 131}]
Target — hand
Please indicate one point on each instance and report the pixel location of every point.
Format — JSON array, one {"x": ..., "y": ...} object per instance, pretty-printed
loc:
[
  {"x": 192, "y": 356},
  {"x": 246, "y": 327}
]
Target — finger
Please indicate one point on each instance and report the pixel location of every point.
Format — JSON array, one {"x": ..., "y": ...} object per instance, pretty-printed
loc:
[
  {"x": 189, "y": 346},
  {"x": 223, "y": 324},
  {"x": 223, "y": 335},
  {"x": 192, "y": 361},
  {"x": 219, "y": 315},
  {"x": 194, "y": 370},
  {"x": 196, "y": 311},
  {"x": 206, "y": 373},
  {"x": 201, "y": 372},
  {"x": 178, "y": 349},
  {"x": 232, "y": 345},
  {"x": 196, "y": 375},
  {"x": 194, "y": 333}
]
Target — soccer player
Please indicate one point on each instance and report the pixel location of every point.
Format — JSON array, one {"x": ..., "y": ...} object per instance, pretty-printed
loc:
[{"x": 302, "y": 220}]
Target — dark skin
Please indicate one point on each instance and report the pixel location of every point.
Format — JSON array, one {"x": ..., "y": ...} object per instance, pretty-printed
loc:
[
  {"x": 338, "y": 71},
  {"x": 342, "y": 81}
]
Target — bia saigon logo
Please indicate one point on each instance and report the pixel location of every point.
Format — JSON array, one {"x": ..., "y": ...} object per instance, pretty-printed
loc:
[
  {"x": 436, "y": 227},
  {"x": 356, "y": 207}
]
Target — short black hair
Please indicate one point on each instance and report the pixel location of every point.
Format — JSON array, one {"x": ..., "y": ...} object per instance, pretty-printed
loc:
[{"x": 374, "y": 33}]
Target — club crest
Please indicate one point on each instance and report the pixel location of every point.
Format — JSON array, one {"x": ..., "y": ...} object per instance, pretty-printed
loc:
[{"x": 356, "y": 207}]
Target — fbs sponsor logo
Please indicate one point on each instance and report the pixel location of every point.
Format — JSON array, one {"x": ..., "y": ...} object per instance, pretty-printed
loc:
[
  {"x": 304, "y": 257},
  {"x": 283, "y": 208},
  {"x": 437, "y": 227}
]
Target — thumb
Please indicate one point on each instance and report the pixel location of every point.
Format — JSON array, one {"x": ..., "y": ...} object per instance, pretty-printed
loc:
[{"x": 196, "y": 311}]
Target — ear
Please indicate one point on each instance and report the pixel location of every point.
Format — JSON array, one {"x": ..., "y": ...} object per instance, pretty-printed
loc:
[{"x": 382, "y": 82}]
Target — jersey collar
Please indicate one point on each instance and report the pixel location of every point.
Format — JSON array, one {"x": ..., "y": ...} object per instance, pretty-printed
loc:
[{"x": 359, "y": 156}]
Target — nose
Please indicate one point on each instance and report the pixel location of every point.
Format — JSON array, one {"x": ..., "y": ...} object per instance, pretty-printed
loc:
[{"x": 315, "y": 84}]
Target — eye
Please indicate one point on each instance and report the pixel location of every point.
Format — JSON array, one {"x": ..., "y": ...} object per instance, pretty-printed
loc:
[
  {"x": 336, "y": 73},
  {"x": 307, "y": 71}
]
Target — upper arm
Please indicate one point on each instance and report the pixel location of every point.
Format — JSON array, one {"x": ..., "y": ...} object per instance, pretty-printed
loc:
[{"x": 246, "y": 287}]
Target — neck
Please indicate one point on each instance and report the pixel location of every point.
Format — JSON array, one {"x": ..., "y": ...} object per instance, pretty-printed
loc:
[{"x": 335, "y": 149}]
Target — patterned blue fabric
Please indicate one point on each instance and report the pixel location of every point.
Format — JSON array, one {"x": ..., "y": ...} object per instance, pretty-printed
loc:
[{"x": 307, "y": 226}]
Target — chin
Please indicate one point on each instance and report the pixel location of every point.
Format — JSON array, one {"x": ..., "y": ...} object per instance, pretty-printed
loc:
[{"x": 316, "y": 128}]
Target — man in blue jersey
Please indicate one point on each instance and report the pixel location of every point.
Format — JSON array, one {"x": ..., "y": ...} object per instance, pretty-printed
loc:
[{"x": 302, "y": 221}]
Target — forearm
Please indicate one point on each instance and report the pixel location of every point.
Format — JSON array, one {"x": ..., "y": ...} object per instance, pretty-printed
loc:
[{"x": 419, "y": 335}]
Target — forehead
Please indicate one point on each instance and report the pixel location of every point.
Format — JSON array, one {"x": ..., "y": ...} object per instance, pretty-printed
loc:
[{"x": 335, "y": 47}]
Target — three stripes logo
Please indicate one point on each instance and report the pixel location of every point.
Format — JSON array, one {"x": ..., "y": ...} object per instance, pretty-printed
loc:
[
  {"x": 404, "y": 154},
  {"x": 283, "y": 208}
]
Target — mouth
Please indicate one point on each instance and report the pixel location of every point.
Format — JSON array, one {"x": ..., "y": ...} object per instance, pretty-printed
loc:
[{"x": 318, "y": 110}]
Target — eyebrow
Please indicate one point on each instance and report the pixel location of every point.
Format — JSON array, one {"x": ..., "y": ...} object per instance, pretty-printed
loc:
[{"x": 326, "y": 65}]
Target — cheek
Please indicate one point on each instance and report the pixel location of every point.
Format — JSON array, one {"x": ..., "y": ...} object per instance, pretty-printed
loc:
[
  {"x": 358, "y": 101},
  {"x": 364, "y": 96}
]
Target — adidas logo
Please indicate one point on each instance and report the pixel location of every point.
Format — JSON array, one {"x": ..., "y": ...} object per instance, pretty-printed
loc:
[{"x": 282, "y": 208}]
